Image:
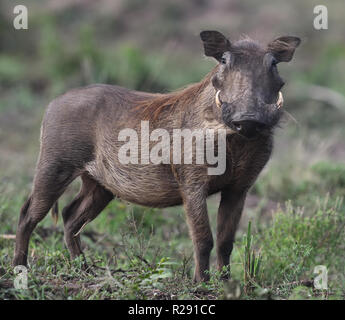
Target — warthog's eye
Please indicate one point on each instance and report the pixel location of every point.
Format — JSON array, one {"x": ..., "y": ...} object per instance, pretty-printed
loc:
[
  {"x": 225, "y": 59},
  {"x": 274, "y": 70},
  {"x": 270, "y": 62}
]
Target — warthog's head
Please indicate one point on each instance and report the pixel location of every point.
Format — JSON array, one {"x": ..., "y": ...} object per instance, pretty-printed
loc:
[{"x": 247, "y": 81}]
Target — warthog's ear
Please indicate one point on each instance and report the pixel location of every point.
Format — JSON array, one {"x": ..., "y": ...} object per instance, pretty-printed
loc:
[
  {"x": 215, "y": 44},
  {"x": 283, "y": 48}
]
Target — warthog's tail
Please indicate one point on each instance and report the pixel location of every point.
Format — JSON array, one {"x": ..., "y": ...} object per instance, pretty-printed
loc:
[{"x": 55, "y": 212}]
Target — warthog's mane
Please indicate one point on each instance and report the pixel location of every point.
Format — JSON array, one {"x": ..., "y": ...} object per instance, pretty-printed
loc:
[{"x": 150, "y": 107}]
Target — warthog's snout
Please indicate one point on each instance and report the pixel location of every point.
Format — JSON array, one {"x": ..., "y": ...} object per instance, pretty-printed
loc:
[{"x": 260, "y": 120}]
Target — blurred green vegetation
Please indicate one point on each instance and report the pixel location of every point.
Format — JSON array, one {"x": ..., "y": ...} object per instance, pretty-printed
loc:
[{"x": 154, "y": 46}]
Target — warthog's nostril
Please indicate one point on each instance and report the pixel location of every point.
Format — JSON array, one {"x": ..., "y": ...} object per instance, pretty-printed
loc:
[
  {"x": 260, "y": 127},
  {"x": 248, "y": 128}
]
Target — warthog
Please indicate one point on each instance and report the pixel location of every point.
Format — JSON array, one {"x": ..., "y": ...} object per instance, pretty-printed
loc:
[{"x": 80, "y": 137}]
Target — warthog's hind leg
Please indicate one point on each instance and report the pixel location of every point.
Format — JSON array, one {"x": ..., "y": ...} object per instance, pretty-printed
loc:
[
  {"x": 86, "y": 206},
  {"x": 49, "y": 183}
]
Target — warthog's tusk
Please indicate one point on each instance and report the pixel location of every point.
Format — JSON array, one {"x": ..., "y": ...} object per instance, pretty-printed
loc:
[
  {"x": 280, "y": 100},
  {"x": 218, "y": 101}
]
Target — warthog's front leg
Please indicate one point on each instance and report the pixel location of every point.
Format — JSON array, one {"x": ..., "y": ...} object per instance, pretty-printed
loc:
[
  {"x": 229, "y": 214},
  {"x": 200, "y": 231}
]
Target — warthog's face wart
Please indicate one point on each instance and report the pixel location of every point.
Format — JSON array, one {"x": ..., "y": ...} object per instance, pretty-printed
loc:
[{"x": 247, "y": 81}]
